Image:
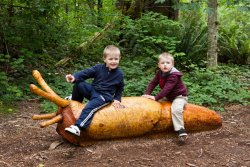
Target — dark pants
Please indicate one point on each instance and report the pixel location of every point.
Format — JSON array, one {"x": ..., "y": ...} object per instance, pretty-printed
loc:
[{"x": 83, "y": 90}]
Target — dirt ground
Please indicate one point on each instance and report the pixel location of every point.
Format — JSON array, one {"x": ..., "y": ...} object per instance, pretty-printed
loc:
[{"x": 23, "y": 143}]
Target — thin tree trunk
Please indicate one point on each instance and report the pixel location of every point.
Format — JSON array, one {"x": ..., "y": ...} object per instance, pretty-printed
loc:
[
  {"x": 212, "y": 34},
  {"x": 99, "y": 10},
  {"x": 66, "y": 8},
  {"x": 174, "y": 12}
]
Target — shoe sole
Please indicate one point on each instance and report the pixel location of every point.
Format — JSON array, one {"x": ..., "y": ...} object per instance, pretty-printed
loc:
[{"x": 68, "y": 131}]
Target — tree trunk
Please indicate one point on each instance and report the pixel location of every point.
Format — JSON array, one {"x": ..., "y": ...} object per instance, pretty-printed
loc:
[
  {"x": 174, "y": 12},
  {"x": 66, "y": 8},
  {"x": 99, "y": 10},
  {"x": 212, "y": 34}
]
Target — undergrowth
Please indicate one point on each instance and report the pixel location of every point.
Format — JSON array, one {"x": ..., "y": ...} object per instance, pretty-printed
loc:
[
  {"x": 215, "y": 89},
  {"x": 229, "y": 84}
]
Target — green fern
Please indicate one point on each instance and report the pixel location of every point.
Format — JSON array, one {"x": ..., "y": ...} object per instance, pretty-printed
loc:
[
  {"x": 234, "y": 35},
  {"x": 193, "y": 38}
]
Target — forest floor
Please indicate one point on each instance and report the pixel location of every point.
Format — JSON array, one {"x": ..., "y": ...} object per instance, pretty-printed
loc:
[{"x": 24, "y": 144}]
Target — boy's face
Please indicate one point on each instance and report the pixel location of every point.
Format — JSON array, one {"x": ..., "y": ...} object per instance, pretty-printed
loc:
[
  {"x": 165, "y": 64},
  {"x": 112, "y": 61}
]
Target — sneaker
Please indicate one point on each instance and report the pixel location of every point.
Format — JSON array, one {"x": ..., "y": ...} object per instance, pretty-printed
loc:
[
  {"x": 182, "y": 132},
  {"x": 73, "y": 129},
  {"x": 182, "y": 139},
  {"x": 68, "y": 97},
  {"x": 182, "y": 135}
]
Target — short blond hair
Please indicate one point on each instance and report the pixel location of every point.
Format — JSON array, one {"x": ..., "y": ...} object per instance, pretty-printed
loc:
[
  {"x": 111, "y": 50},
  {"x": 166, "y": 55}
]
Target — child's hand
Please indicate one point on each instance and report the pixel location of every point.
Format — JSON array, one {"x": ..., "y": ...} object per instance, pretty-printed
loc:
[
  {"x": 149, "y": 97},
  {"x": 117, "y": 104},
  {"x": 70, "y": 78}
]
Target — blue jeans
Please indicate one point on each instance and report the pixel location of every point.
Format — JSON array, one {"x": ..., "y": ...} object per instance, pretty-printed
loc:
[{"x": 83, "y": 90}]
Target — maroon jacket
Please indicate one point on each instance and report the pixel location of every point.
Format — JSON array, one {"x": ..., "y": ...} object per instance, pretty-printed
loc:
[{"x": 170, "y": 83}]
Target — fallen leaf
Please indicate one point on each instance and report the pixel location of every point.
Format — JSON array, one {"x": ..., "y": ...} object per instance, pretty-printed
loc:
[
  {"x": 55, "y": 144},
  {"x": 189, "y": 164}
]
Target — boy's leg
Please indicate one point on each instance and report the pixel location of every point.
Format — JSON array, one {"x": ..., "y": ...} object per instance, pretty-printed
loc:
[
  {"x": 81, "y": 90},
  {"x": 94, "y": 104},
  {"x": 177, "y": 110}
]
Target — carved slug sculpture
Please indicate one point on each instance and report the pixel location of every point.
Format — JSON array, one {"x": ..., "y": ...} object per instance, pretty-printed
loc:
[{"x": 140, "y": 116}]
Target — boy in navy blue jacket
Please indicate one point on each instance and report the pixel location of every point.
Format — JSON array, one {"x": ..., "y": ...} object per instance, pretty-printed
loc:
[{"x": 106, "y": 87}]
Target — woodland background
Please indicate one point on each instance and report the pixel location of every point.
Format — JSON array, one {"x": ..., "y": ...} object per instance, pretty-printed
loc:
[{"x": 60, "y": 37}]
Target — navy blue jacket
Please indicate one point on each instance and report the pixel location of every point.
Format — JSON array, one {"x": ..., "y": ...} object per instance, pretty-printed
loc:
[{"x": 109, "y": 83}]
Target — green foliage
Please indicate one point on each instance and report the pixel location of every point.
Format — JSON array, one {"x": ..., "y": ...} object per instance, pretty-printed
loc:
[
  {"x": 37, "y": 34},
  {"x": 59, "y": 85},
  {"x": 149, "y": 35},
  {"x": 234, "y": 36},
  {"x": 6, "y": 108},
  {"x": 137, "y": 76},
  {"x": 214, "y": 89},
  {"x": 16, "y": 76},
  {"x": 160, "y": 1},
  {"x": 48, "y": 106},
  {"x": 29, "y": 24},
  {"x": 220, "y": 87},
  {"x": 9, "y": 91},
  {"x": 193, "y": 38}
]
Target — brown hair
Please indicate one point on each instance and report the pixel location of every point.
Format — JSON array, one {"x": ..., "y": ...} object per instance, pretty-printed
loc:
[{"x": 111, "y": 50}]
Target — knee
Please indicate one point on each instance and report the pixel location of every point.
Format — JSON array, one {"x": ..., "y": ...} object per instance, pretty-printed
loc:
[
  {"x": 176, "y": 110},
  {"x": 78, "y": 85}
]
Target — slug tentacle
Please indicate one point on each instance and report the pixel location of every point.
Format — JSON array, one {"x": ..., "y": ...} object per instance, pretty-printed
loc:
[
  {"x": 38, "y": 77},
  {"x": 54, "y": 120},
  {"x": 49, "y": 94},
  {"x": 43, "y": 116},
  {"x": 55, "y": 99}
]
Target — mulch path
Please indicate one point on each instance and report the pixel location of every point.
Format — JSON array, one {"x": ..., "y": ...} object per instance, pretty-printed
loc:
[{"x": 23, "y": 143}]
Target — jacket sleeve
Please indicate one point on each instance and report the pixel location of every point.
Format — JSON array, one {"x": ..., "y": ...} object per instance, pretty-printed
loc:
[
  {"x": 168, "y": 87},
  {"x": 85, "y": 74},
  {"x": 119, "y": 90},
  {"x": 153, "y": 83}
]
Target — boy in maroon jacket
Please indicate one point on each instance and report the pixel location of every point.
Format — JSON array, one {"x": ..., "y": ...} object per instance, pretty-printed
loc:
[{"x": 172, "y": 88}]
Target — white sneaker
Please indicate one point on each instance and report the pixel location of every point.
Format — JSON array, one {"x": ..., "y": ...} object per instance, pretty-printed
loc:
[
  {"x": 73, "y": 130},
  {"x": 68, "y": 97}
]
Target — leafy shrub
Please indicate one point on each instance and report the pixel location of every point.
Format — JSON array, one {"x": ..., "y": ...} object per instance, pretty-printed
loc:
[
  {"x": 193, "y": 38},
  {"x": 136, "y": 77},
  {"x": 218, "y": 88},
  {"x": 234, "y": 36},
  {"x": 9, "y": 92},
  {"x": 149, "y": 35}
]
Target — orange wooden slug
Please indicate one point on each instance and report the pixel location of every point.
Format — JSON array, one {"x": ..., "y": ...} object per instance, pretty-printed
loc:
[{"x": 140, "y": 116}]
